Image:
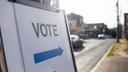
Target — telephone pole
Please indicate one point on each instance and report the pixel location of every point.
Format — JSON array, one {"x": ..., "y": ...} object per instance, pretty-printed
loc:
[{"x": 118, "y": 28}]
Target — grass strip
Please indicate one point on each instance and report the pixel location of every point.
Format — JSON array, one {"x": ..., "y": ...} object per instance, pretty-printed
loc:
[
  {"x": 113, "y": 50},
  {"x": 126, "y": 43}
]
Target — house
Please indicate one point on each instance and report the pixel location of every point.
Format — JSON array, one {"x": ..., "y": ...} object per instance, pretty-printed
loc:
[{"x": 93, "y": 29}]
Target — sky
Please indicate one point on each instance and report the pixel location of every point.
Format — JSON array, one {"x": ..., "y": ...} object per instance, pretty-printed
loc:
[{"x": 96, "y": 11}]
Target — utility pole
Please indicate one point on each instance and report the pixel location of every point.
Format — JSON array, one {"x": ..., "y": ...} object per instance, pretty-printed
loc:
[{"x": 118, "y": 28}]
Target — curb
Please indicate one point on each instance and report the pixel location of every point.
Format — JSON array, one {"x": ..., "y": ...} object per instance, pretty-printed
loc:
[{"x": 98, "y": 64}]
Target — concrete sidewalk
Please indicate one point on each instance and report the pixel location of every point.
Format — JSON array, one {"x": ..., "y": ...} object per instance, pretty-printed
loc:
[{"x": 116, "y": 63}]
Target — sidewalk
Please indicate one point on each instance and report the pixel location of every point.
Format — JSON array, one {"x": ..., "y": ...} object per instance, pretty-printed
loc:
[{"x": 116, "y": 63}]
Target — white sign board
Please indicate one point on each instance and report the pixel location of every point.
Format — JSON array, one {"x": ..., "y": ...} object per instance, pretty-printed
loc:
[{"x": 43, "y": 40}]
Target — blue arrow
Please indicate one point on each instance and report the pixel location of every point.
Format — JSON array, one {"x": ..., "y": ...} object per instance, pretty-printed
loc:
[{"x": 42, "y": 56}]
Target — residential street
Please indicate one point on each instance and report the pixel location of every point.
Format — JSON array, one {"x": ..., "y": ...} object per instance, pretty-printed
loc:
[{"x": 93, "y": 51}]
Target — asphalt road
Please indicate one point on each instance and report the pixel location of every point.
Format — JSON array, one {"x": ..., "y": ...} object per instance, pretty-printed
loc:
[{"x": 93, "y": 50}]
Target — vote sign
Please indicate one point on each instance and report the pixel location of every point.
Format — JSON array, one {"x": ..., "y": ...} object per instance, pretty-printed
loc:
[{"x": 43, "y": 40}]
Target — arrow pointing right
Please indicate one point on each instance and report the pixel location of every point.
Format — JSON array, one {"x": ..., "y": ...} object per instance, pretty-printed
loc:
[{"x": 42, "y": 56}]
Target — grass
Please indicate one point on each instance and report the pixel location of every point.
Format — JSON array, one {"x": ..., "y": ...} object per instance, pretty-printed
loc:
[
  {"x": 113, "y": 50},
  {"x": 126, "y": 43}
]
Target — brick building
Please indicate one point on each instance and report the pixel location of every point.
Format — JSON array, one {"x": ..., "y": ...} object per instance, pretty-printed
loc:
[{"x": 76, "y": 23}]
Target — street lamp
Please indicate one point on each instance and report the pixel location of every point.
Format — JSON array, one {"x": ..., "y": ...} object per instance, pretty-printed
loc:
[{"x": 117, "y": 5}]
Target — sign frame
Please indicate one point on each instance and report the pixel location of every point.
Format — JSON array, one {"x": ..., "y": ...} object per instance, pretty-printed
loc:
[{"x": 71, "y": 47}]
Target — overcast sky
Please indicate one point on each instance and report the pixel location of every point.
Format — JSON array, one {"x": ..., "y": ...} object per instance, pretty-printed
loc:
[{"x": 95, "y": 11}]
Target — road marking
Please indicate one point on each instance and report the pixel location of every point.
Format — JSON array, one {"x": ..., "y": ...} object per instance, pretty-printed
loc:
[{"x": 42, "y": 56}]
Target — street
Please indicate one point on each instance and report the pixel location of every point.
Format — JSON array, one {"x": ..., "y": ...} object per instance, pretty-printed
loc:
[{"x": 93, "y": 51}]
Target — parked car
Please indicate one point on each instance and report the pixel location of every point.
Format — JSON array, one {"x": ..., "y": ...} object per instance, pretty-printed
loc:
[
  {"x": 101, "y": 36},
  {"x": 77, "y": 42}
]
